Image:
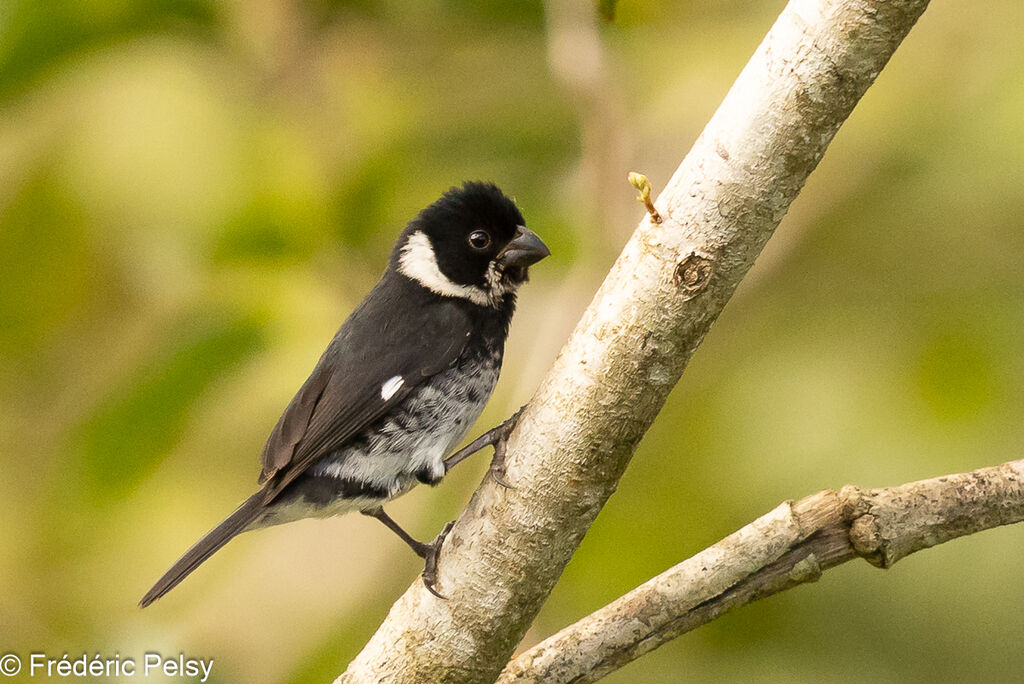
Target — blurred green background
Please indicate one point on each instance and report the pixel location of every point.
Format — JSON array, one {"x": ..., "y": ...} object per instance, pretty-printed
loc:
[{"x": 194, "y": 194}]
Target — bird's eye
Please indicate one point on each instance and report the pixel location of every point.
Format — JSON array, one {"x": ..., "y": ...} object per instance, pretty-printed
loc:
[{"x": 479, "y": 239}]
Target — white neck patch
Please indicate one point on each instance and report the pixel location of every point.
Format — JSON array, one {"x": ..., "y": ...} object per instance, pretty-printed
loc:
[{"x": 419, "y": 262}]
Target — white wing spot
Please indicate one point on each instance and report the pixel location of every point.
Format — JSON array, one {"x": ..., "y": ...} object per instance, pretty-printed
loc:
[{"x": 388, "y": 389}]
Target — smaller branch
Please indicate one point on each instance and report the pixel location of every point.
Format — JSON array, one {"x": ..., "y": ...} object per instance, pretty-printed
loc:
[{"x": 791, "y": 545}]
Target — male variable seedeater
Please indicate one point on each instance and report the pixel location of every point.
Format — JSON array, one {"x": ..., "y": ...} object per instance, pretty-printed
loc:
[{"x": 401, "y": 382}]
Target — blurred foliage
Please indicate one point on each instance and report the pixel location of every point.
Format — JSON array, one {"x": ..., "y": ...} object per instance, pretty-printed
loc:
[
  {"x": 194, "y": 194},
  {"x": 607, "y": 9},
  {"x": 142, "y": 419}
]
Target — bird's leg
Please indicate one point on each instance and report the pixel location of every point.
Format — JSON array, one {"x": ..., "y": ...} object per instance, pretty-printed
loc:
[
  {"x": 497, "y": 437},
  {"x": 428, "y": 552},
  {"x": 431, "y": 552}
]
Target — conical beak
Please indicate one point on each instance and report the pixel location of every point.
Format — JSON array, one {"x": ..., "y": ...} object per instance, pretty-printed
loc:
[{"x": 525, "y": 249}]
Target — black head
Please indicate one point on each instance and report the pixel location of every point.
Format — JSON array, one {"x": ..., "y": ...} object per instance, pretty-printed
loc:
[{"x": 471, "y": 243}]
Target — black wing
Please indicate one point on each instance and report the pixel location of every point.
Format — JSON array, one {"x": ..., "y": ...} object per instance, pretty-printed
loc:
[{"x": 385, "y": 338}]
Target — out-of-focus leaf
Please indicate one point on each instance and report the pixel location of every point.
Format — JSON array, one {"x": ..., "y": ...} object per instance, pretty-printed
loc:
[
  {"x": 264, "y": 231},
  {"x": 143, "y": 418},
  {"x": 46, "y": 264},
  {"x": 361, "y": 211},
  {"x": 521, "y": 13},
  {"x": 607, "y": 9},
  {"x": 36, "y": 35}
]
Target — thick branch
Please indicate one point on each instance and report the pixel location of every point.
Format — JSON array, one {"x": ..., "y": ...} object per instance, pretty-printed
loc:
[
  {"x": 790, "y": 545},
  {"x": 670, "y": 283}
]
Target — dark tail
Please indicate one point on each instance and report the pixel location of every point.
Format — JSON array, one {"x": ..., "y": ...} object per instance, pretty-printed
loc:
[{"x": 244, "y": 515}]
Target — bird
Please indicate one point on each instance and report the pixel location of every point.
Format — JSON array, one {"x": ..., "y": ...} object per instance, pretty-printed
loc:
[{"x": 401, "y": 382}]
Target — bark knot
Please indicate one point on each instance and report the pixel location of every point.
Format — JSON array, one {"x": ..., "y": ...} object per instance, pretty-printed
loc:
[
  {"x": 693, "y": 273},
  {"x": 865, "y": 526},
  {"x": 866, "y": 539}
]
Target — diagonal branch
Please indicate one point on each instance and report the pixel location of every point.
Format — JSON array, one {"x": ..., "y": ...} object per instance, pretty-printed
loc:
[
  {"x": 607, "y": 386},
  {"x": 788, "y": 546}
]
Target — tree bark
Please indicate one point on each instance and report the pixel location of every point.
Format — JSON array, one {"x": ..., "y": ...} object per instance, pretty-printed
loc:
[
  {"x": 608, "y": 384},
  {"x": 790, "y": 545}
]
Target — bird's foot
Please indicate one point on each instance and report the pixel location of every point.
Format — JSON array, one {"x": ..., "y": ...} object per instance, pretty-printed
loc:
[
  {"x": 497, "y": 468},
  {"x": 432, "y": 554},
  {"x": 497, "y": 437}
]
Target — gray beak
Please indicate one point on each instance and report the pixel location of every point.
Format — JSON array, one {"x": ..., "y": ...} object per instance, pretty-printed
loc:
[{"x": 525, "y": 249}]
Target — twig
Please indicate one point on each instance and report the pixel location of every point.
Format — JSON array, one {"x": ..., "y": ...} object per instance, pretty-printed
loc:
[
  {"x": 791, "y": 545},
  {"x": 643, "y": 186}
]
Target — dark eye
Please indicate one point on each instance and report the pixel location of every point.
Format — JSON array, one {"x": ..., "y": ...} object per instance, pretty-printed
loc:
[{"x": 479, "y": 239}]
